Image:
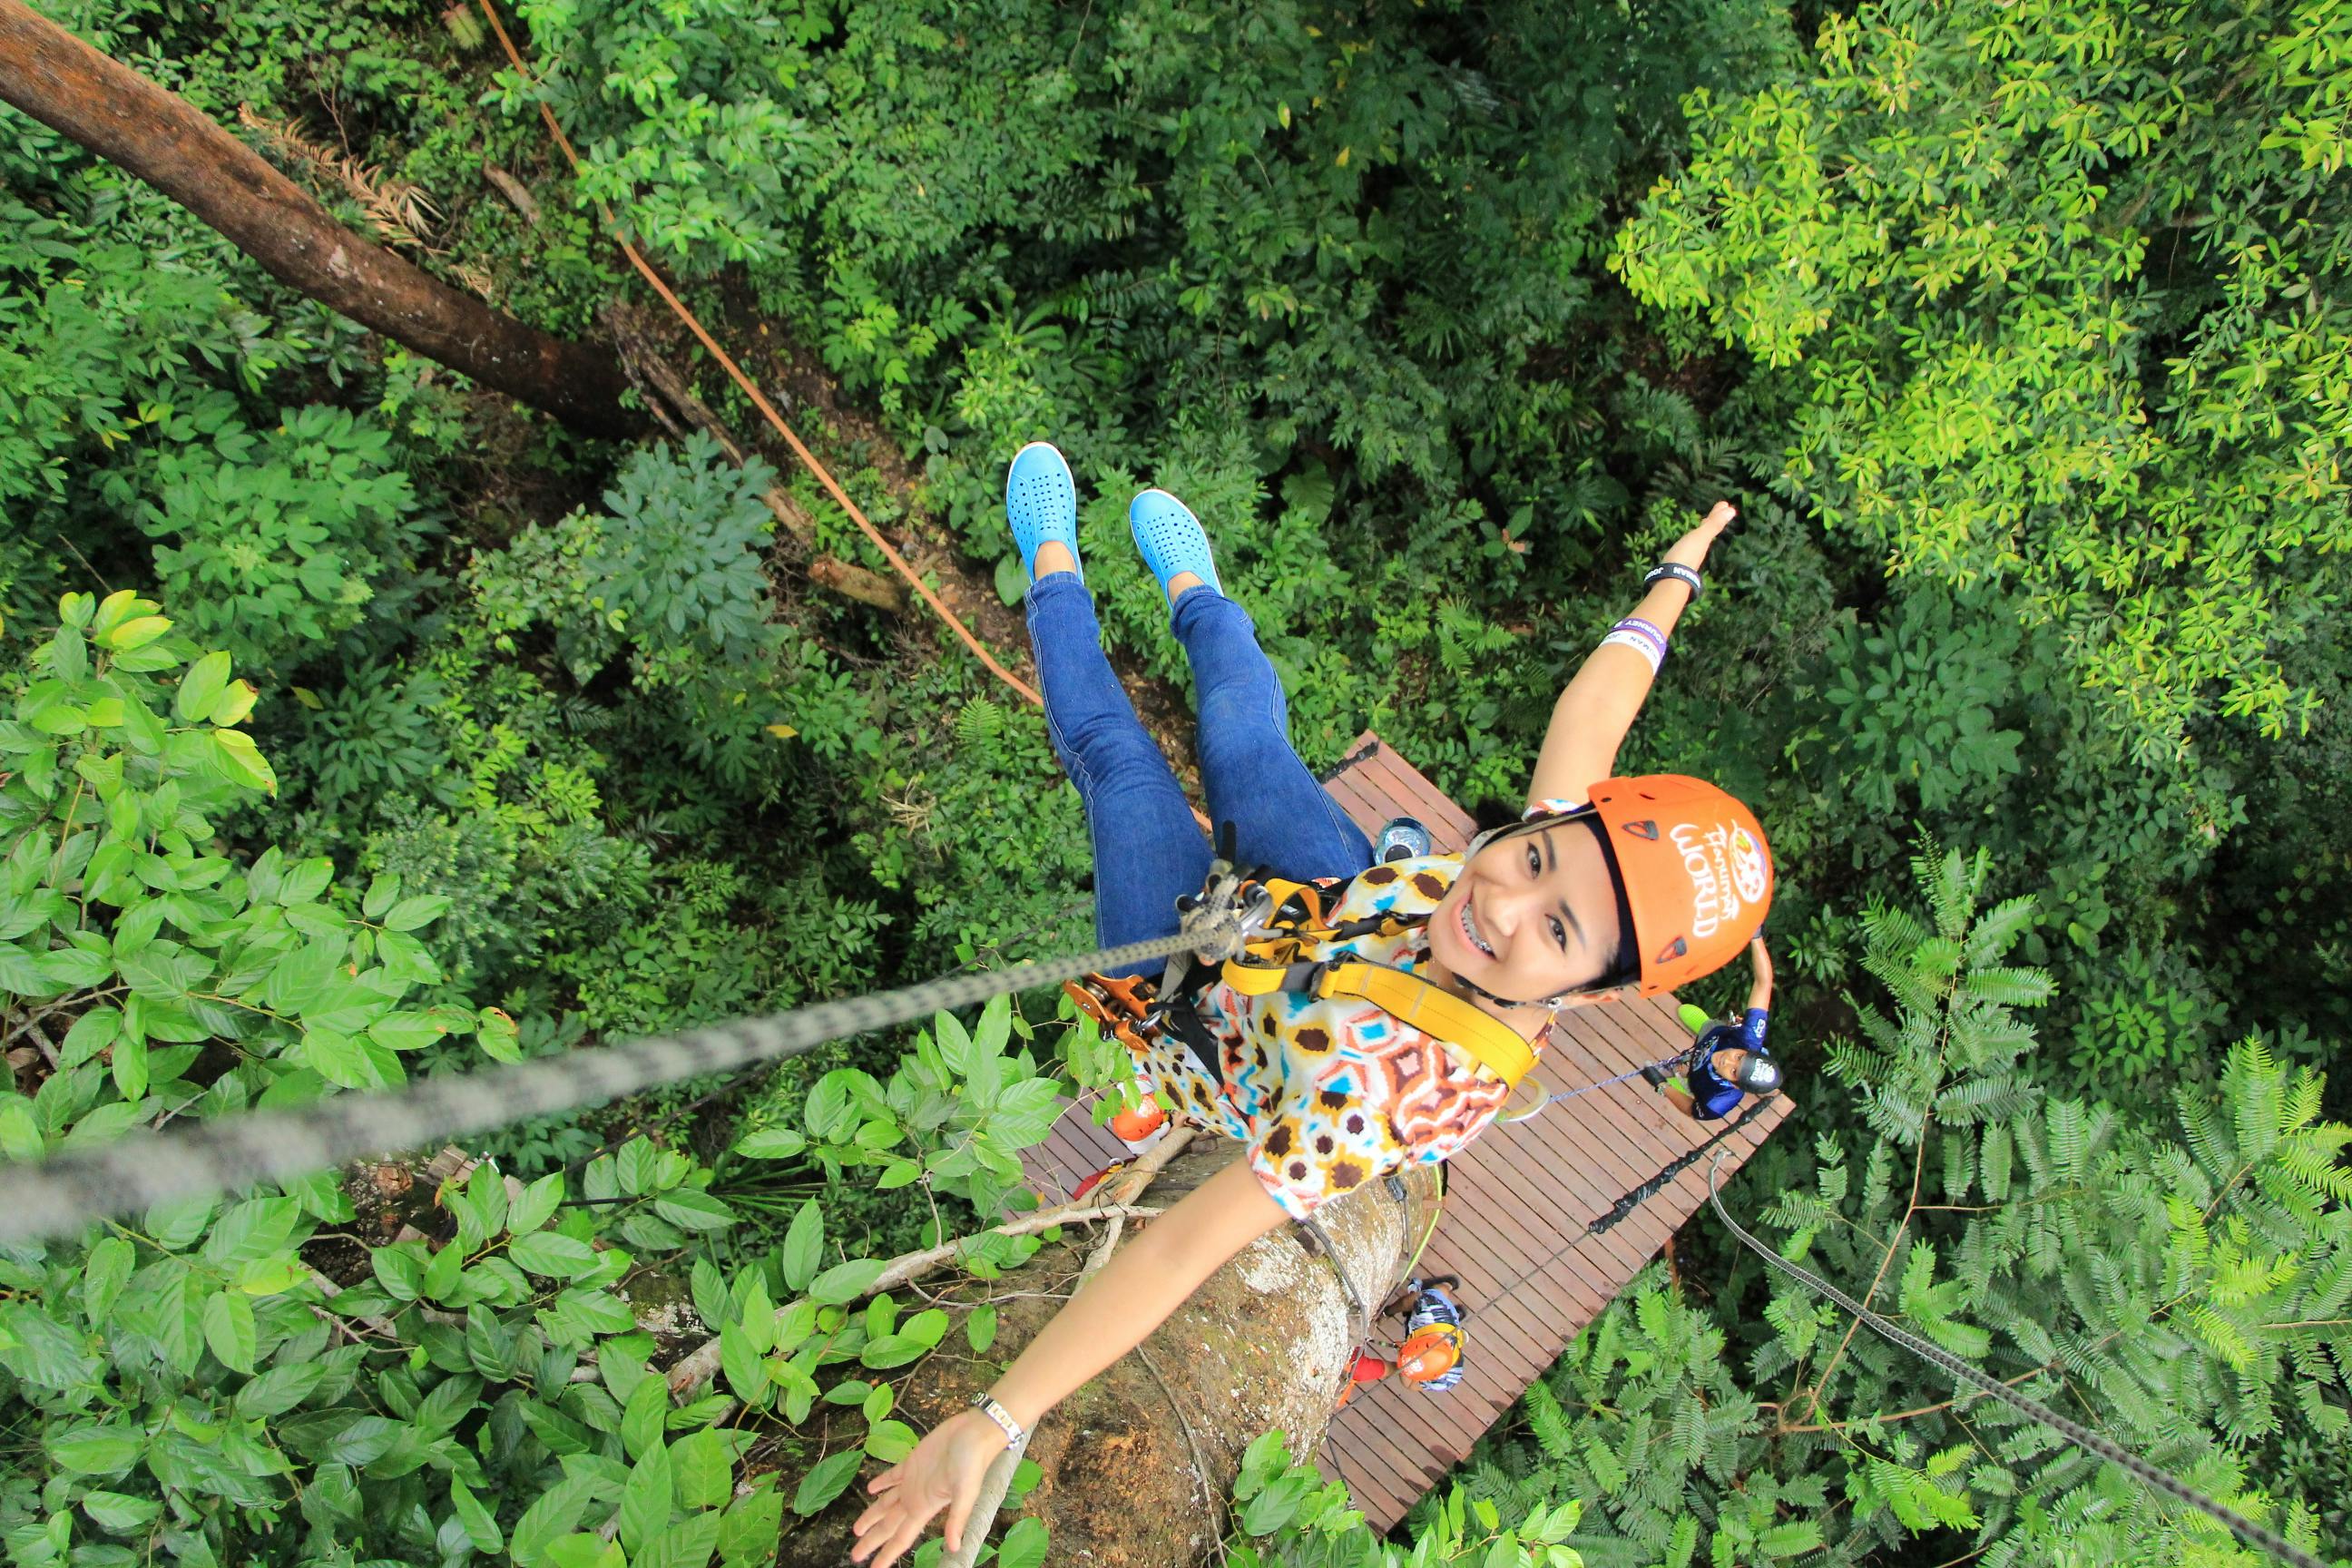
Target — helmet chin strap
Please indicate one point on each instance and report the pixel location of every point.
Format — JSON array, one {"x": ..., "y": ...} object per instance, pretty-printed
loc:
[{"x": 1551, "y": 1002}]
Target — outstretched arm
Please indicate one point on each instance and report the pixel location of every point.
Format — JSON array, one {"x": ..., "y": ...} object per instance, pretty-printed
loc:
[
  {"x": 1135, "y": 1291},
  {"x": 1590, "y": 720}
]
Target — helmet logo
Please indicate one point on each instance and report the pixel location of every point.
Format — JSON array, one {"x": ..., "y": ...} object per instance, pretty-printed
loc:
[
  {"x": 1748, "y": 868},
  {"x": 1672, "y": 951},
  {"x": 1707, "y": 861},
  {"x": 1645, "y": 829}
]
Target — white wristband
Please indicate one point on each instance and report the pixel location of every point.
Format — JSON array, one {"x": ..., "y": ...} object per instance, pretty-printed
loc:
[
  {"x": 1640, "y": 643},
  {"x": 1001, "y": 1416}
]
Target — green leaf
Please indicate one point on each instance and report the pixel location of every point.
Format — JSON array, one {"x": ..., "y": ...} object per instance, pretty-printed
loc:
[
  {"x": 404, "y": 1031},
  {"x": 752, "y": 1529},
  {"x": 646, "y": 1499},
  {"x": 235, "y": 704},
  {"x": 103, "y": 1273},
  {"x": 644, "y": 1417},
  {"x": 980, "y": 1328},
  {"x": 704, "y": 1463},
  {"x": 254, "y": 1228},
  {"x": 383, "y": 892},
  {"x": 201, "y": 687},
  {"x": 538, "y": 1203},
  {"x": 1022, "y": 1546},
  {"x": 803, "y": 1246},
  {"x": 826, "y": 1480},
  {"x": 693, "y": 1210},
  {"x": 243, "y": 761},
  {"x": 1789, "y": 1537},
  {"x": 138, "y": 633},
  {"x": 585, "y": 1550},
  {"x": 121, "y": 1513},
  {"x": 97, "y": 1450},
  {"x": 892, "y": 1350},
  {"x": 229, "y": 1328},
  {"x": 345, "y": 1059},
  {"x": 635, "y": 1162},
  {"x": 553, "y": 1255},
  {"x": 422, "y": 911},
  {"x": 847, "y": 1281},
  {"x": 400, "y": 1268},
  {"x": 91, "y": 1033},
  {"x": 553, "y": 1516},
  {"x": 889, "y": 1441},
  {"x": 686, "y": 1544},
  {"x": 176, "y": 1222},
  {"x": 480, "y": 1527},
  {"x": 180, "y": 1321},
  {"x": 279, "y": 1389},
  {"x": 771, "y": 1143},
  {"x": 739, "y": 1361}
]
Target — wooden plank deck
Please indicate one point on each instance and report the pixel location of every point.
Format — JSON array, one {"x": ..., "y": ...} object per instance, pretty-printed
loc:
[{"x": 1519, "y": 1194}]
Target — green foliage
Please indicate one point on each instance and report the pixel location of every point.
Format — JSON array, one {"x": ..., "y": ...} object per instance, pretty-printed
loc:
[
  {"x": 2175, "y": 1294},
  {"x": 2037, "y": 444},
  {"x": 1287, "y": 1514},
  {"x": 187, "y": 1376},
  {"x": 118, "y": 892},
  {"x": 1963, "y": 234},
  {"x": 954, "y": 1116},
  {"x": 278, "y": 541}
]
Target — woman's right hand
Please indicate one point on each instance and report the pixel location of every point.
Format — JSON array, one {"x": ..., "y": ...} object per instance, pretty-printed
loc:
[
  {"x": 1691, "y": 548},
  {"x": 944, "y": 1471}
]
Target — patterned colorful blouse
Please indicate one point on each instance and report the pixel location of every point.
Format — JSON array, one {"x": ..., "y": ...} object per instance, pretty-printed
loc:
[{"x": 1331, "y": 1094}]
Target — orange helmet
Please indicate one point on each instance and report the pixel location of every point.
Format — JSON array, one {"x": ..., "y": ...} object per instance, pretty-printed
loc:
[
  {"x": 1694, "y": 871},
  {"x": 1429, "y": 1353}
]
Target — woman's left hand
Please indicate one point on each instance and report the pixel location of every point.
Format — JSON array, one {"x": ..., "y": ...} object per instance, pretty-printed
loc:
[
  {"x": 944, "y": 1470},
  {"x": 1691, "y": 548}
]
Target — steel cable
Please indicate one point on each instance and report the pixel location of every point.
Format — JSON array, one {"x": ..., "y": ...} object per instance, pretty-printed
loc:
[
  {"x": 57, "y": 1196},
  {"x": 2074, "y": 1432}
]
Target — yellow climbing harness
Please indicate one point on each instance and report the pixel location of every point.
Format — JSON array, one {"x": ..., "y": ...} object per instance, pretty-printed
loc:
[{"x": 1288, "y": 924}]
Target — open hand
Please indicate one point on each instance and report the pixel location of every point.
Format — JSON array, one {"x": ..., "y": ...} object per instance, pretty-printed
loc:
[
  {"x": 1691, "y": 548},
  {"x": 944, "y": 1471}
]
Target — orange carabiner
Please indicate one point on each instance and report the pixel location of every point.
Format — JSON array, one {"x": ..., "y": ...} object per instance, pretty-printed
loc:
[{"x": 1115, "y": 1005}]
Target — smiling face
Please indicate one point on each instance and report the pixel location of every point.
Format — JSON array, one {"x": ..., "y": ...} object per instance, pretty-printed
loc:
[{"x": 1533, "y": 914}]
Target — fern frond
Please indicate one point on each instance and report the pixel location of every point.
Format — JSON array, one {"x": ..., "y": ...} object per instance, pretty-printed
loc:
[
  {"x": 1997, "y": 928},
  {"x": 2011, "y": 987}
]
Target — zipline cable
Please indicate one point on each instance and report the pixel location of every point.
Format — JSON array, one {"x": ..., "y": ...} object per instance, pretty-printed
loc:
[
  {"x": 57, "y": 1196},
  {"x": 2237, "y": 1524},
  {"x": 1626, "y": 1203}
]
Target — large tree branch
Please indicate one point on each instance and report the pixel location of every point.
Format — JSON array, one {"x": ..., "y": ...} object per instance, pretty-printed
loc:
[{"x": 164, "y": 140}]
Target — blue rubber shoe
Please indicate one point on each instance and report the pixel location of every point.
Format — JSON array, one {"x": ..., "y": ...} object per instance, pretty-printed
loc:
[
  {"x": 1170, "y": 539},
  {"x": 1041, "y": 501}
]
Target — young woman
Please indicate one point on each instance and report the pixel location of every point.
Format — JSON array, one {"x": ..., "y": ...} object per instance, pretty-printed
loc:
[{"x": 1608, "y": 888}]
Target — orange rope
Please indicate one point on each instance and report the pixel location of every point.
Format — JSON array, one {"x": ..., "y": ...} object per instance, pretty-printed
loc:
[{"x": 761, "y": 402}]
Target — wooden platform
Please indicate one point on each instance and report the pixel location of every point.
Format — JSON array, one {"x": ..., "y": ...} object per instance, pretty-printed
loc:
[{"x": 1519, "y": 1192}]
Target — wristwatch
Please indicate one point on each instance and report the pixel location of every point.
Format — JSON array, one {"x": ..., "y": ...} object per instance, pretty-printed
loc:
[
  {"x": 1001, "y": 1416},
  {"x": 1680, "y": 573}
]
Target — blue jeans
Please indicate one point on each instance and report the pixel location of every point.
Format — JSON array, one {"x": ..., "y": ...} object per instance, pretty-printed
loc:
[{"x": 1147, "y": 847}]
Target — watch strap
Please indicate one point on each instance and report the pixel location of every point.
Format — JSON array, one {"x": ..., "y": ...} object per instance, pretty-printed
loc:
[{"x": 1001, "y": 1416}]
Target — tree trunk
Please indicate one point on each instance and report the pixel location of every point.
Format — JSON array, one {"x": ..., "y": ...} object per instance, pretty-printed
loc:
[
  {"x": 1136, "y": 1475},
  {"x": 130, "y": 122}
]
